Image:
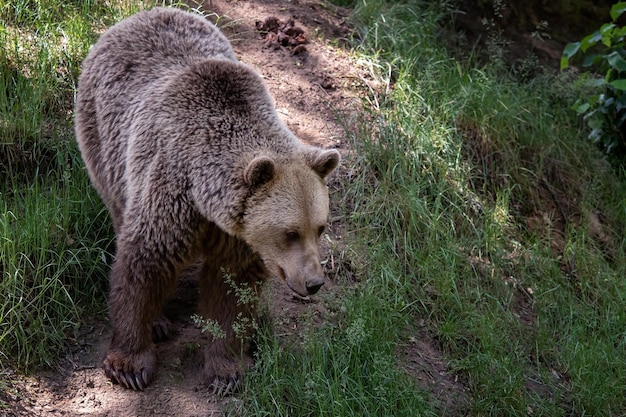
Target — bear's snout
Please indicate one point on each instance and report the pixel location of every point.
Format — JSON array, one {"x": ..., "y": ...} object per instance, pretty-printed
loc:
[
  {"x": 301, "y": 284},
  {"x": 312, "y": 275},
  {"x": 313, "y": 287}
]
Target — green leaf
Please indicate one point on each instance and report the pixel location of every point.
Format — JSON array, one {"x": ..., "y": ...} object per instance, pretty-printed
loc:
[
  {"x": 616, "y": 61},
  {"x": 592, "y": 59},
  {"x": 607, "y": 34},
  {"x": 606, "y": 28},
  {"x": 595, "y": 123},
  {"x": 569, "y": 51},
  {"x": 582, "y": 108},
  {"x": 590, "y": 40},
  {"x": 619, "y": 84},
  {"x": 596, "y": 135},
  {"x": 607, "y": 103},
  {"x": 617, "y": 9},
  {"x": 596, "y": 82},
  {"x": 620, "y": 104},
  {"x": 619, "y": 33}
]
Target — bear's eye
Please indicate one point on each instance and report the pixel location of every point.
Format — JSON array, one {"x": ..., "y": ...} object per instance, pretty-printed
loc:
[
  {"x": 292, "y": 236},
  {"x": 320, "y": 230}
]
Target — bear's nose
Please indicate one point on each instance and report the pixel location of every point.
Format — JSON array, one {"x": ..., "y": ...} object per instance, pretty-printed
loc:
[{"x": 313, "y": 288}]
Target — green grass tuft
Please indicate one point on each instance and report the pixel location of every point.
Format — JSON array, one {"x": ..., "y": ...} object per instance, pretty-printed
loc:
[{"x": 343, "y": 369}]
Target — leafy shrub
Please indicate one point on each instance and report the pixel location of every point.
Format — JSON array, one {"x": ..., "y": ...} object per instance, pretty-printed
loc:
[{"x": 604, "y": 111}]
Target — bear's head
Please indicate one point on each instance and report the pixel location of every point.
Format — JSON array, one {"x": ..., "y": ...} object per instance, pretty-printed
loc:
[{"x": 289, "y": 214}]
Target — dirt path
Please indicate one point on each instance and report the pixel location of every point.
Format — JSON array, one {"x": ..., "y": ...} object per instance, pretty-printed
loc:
[{"x": 311, "y": 84}]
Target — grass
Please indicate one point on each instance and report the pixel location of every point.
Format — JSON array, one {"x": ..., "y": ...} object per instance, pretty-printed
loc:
[
  {"x": 455, "y": 164},
  {"x": 55, "y": 234},
  {"x": 342, "y": 369},
  {"x": 527, "y": 324},
  {"x": 485, "y": 221}
]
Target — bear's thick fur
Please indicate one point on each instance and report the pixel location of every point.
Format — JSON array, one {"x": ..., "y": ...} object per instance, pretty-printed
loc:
[{"x": 184, "y": 146}]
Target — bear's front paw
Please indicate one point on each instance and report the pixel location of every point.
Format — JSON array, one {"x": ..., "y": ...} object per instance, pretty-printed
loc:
[{"x": 134, "y": 371}]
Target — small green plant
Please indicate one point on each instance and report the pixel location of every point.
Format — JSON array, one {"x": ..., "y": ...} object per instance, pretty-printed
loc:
[
  {"x": 211, "y": 326},
  {"x": 246, "y": 295},
  {"x": 605, "y": 109},
  {"x": 243, "y": 325}
]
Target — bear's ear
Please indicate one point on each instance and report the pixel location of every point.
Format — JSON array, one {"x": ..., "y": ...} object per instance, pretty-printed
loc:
[
  {"x": 325, "y": 162},
  {"x": 259, "y": 171}
]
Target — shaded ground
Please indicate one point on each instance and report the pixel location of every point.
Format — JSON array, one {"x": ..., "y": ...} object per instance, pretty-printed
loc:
[{"x": 525, "y": 34}]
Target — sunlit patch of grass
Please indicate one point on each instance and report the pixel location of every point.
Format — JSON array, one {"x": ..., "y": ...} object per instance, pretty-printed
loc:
[{"x": 44, "y": 44}]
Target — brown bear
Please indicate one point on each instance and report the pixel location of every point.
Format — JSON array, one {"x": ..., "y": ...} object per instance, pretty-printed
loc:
[{"x": 184, "y": 146}]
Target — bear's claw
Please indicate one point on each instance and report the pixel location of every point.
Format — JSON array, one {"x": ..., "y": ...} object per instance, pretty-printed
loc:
[
  {"x": 226, "y": 385},
  {"x": 132, "y": 375},
  {"x": 137, "y": 381}
]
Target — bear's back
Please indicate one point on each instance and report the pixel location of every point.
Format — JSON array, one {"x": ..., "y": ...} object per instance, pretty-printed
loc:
[
  {"x": 152, "y": 44},
  {"x": 131, "y": 61}
]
